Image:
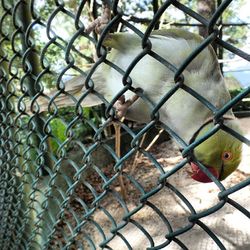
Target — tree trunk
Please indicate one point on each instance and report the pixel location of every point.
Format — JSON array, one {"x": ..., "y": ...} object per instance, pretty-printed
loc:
[{"x": 206, "y": 8}]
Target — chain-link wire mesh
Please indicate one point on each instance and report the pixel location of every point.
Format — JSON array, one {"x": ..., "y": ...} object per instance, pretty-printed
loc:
[{"x": 54, "y": 194}]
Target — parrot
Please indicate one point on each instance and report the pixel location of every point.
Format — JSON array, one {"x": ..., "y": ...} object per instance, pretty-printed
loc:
[{"x": 183, "y": 113}]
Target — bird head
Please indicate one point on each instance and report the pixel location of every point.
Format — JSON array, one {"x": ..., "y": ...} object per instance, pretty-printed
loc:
[{"x": 220, "y": 153}]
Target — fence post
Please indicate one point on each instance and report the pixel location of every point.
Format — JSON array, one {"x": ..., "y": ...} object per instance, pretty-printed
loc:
[
  {"x": 31, "y": 68},
  {"x": 33, "y": 61}
]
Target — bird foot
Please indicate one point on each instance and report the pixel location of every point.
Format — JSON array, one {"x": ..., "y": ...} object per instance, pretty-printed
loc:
[
  {"x": 101, "y": 22},
  {"x": 122, "y": 105}
]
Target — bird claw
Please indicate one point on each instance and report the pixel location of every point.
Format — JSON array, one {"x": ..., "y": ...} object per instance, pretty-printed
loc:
[
  {"x": 122, "y": 105},
  {"x": 101, "y": 22}
]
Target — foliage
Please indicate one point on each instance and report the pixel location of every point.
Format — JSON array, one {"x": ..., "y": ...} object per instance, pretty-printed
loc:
[
  {"x": 82, "y": 129},
  {"x": 58, "y": 130},
  {"x": 242, "y": 105},
  {"x": 232, "y": 83}
]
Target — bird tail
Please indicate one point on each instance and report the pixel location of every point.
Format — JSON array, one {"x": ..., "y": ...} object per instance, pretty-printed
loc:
[{"x": 74, "y": 90}]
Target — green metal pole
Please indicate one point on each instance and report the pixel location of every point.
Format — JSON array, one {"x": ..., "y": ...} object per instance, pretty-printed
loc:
[
  {"x": 35, "y": 188},
  {"x": 33, "y": 60}
]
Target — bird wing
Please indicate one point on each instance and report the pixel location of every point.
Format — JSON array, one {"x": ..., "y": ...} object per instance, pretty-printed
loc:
[{"x": 74, "y": 89}]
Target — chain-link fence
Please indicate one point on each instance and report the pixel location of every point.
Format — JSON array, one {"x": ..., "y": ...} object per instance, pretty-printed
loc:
[{"x": 63, "y": 182}]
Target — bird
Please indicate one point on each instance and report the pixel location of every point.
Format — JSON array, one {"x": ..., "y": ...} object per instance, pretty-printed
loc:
[{"x": 183, "y": 113}]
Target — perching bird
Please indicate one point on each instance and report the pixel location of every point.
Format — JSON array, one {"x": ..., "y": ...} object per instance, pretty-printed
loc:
[{"x": 183, "y": 113}]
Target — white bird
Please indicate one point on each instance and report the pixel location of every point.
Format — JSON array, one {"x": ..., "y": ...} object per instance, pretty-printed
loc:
[{"x": 182, "y": 112}]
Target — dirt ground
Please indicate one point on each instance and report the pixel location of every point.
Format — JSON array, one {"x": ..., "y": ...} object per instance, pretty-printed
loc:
[{"x": 230, "y": 225}]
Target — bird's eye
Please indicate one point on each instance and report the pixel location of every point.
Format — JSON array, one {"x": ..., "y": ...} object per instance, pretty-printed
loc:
[{"x": 226, "y": 156}]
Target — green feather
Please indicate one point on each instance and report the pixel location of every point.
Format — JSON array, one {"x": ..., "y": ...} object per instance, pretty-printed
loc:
[
  {"x": 122, "y": 41},
  {"x": 178, "y": 34}
]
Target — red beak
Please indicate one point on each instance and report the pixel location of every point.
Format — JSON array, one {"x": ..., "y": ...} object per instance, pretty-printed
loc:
[{"x": 200, "y": 176}]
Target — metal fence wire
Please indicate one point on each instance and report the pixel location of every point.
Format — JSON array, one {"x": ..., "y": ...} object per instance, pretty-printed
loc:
[{"x": 53, "y": 193}]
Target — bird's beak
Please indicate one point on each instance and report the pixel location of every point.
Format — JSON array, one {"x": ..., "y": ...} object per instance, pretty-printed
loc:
[{"x": 200, "y": 176}]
